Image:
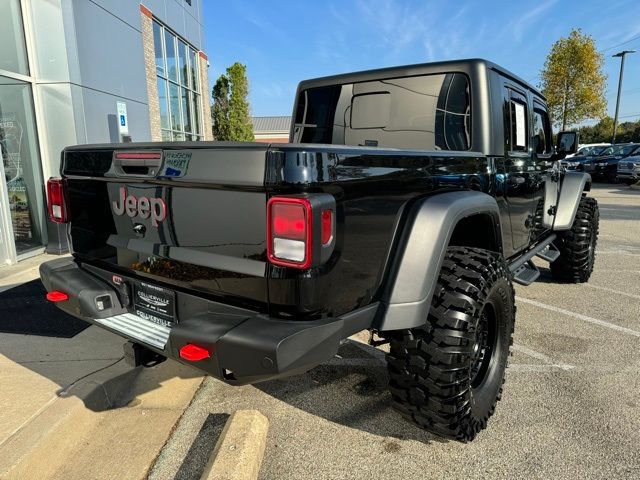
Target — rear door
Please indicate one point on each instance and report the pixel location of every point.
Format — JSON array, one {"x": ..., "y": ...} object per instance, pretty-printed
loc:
[
  {"x": 524, "y": 179},
  {"x": 177, "y": 217}
]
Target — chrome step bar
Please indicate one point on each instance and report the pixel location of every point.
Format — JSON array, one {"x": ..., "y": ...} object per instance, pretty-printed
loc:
[{"x": 138, "y": 328}]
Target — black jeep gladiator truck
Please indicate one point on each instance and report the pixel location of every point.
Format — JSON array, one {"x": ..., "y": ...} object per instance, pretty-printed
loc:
[{"x": 407, "y": 202}]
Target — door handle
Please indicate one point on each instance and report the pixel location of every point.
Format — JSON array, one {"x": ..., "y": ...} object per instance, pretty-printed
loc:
[{"x": 516, "y": 180}]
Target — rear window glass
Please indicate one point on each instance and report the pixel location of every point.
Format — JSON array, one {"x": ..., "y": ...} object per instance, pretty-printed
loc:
[
  {"x": 83, "y": 163},
  {"x": 428, "y": 112}
]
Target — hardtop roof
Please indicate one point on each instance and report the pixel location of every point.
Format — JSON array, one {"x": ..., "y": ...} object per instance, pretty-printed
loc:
[{"x": 413, "y": 70}]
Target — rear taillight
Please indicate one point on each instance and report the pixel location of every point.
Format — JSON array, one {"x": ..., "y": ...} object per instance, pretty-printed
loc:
[
  {"x": 300, "y": 230},
  {"x": 327, "y": 227},
  {"x": 57, "y": 200},
  {"x": 290, "y": 231}
]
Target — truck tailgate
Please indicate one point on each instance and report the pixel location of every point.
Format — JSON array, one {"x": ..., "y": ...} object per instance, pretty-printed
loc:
[{"x": 180, "y": 215}]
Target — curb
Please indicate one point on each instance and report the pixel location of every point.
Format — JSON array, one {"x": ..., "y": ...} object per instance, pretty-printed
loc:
[{"x": 240, "y": 448}]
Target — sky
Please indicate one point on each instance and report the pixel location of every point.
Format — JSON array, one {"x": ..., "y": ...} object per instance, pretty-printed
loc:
[{"x": 283, "y": 42}]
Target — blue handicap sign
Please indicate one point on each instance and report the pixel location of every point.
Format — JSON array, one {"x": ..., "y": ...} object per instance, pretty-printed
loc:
[{"x": 123, "y": 122}]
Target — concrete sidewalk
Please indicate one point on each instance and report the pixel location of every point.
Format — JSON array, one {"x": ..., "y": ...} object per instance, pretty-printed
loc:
[
  {"x": 72, "y": 408},
  {"x": 25, "y": 271}
]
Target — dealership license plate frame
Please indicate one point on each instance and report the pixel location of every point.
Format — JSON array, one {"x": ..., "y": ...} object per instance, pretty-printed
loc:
[{"x": 154, "y": 303}]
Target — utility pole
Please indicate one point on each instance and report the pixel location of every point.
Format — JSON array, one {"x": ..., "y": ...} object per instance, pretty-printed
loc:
[{"x": 615, "y": 120}]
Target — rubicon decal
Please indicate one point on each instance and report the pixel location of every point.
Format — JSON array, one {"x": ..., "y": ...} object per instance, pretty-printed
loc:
[{"x": 142, "y": 207}]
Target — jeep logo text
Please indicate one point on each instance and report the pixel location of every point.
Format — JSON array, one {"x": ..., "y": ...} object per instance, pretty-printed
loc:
[{"x": 142, "y": 207}]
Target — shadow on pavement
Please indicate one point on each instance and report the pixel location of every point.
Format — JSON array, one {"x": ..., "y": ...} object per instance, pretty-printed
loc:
[
  {"x": 350, "y": 390},
  {"x": 198, "y": 455},
  {"x": 81, "y": 360},
  {"x": 24, "y": 309}
]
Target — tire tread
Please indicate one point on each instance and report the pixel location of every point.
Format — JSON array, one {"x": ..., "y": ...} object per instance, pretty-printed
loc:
[
  {"x": 575, "y": 263},
  {"x": 428, "y": 366}
]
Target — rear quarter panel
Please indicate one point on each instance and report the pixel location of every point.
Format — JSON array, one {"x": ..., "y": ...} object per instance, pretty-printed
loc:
[{"x": 372, "y": 188}]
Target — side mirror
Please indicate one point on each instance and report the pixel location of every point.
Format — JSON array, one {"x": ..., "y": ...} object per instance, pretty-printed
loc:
[{"x": 567, "y": 143}]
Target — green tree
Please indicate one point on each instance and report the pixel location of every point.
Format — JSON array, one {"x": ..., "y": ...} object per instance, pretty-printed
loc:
[
  {"x": 601, "y": 132},
  {"x": 598, "y": 133},
  {"x": 572, "y": 80},
  {"x": 231, "y": 119},
  {"x": 220, "y": 111}
]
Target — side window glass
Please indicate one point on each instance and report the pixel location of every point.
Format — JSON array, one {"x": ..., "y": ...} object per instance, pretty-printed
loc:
[
  {"x": 541, "y": 132},
  {"x": 427, "y": 112},
  {"x": 519, "y": 128}
]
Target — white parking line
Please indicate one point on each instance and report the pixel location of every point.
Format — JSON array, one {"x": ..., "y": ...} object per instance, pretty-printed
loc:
[
  {"x": 535, "y": 368},
  {"x": 579, "y": 316},
  {"x": 611, "y": 290},
  {"x": 618, "y": 270},
  {"x": 617, "y": 252},
  {"x": 542, "y": 357}
]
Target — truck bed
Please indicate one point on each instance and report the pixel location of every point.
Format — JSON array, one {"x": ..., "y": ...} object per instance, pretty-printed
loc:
[{"x": 211, "y": 240}]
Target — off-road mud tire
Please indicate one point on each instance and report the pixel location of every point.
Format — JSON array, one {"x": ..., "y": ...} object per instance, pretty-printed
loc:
[{"x": 430, "y": 367}]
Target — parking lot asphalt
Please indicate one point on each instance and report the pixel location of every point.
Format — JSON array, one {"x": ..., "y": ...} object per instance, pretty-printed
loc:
[{"x": 571, "y": 407}]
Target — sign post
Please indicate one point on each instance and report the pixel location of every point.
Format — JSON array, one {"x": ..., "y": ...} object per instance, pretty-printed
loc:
[{"x": 123, "y": 121}]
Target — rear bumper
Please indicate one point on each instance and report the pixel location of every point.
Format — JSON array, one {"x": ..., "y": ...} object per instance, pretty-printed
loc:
[{"x": 245, "y": 346}]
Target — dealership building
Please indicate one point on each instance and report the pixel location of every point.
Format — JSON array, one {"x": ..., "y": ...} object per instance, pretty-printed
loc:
[
  {"x": 271, "y": 129},
  {"x": 89, "y": 71}
]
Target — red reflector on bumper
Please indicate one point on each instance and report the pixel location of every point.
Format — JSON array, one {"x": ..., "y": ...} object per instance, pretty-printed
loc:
[
  {"x": 193, "y": 353},
  {"x": 57, "y": 296}
]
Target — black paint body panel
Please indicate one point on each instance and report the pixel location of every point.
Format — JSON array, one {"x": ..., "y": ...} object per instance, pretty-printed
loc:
[{"x": 213, "y": 240}]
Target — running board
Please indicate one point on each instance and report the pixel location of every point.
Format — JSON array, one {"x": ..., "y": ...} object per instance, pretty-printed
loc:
[
  {"x": 550, "y": 253},
  {"x": 137, "y": 328},
  {"x": 523, "y": 270},
  {"x": 526, "y": 274}
]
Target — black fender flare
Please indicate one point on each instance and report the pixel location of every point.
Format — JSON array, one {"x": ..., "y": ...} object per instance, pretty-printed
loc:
[{"x": 416, "y": 265}]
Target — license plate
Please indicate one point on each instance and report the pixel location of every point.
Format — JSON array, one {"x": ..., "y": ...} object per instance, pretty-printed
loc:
[{"x": 154, "y": 303}]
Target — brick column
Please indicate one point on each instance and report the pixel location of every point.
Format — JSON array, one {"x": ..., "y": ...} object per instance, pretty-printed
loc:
[
  {"x": 206, "y": 96},
  {"x": 146, "y": 18}
]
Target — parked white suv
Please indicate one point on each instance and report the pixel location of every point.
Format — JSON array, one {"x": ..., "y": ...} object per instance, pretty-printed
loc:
[{"x": 586, "y": 149}]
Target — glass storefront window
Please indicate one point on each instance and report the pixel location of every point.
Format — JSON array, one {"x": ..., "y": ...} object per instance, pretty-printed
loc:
[
  {"x": 164, "y": 107},
  {"x": 13, "y": 52},
  {"x": 21, "y": 161},
  {"x": 170, "y": 49},
  {"x": 157, "y": 44},
  {"x": 174, "y": 105},
  {"x": 186, "y": 108},
  {"x": 178, "y": 85},
  {"x": 193, "y": 61},
  {"x": 196, "y": 114},
  {"x": 182, "y": 58}
]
